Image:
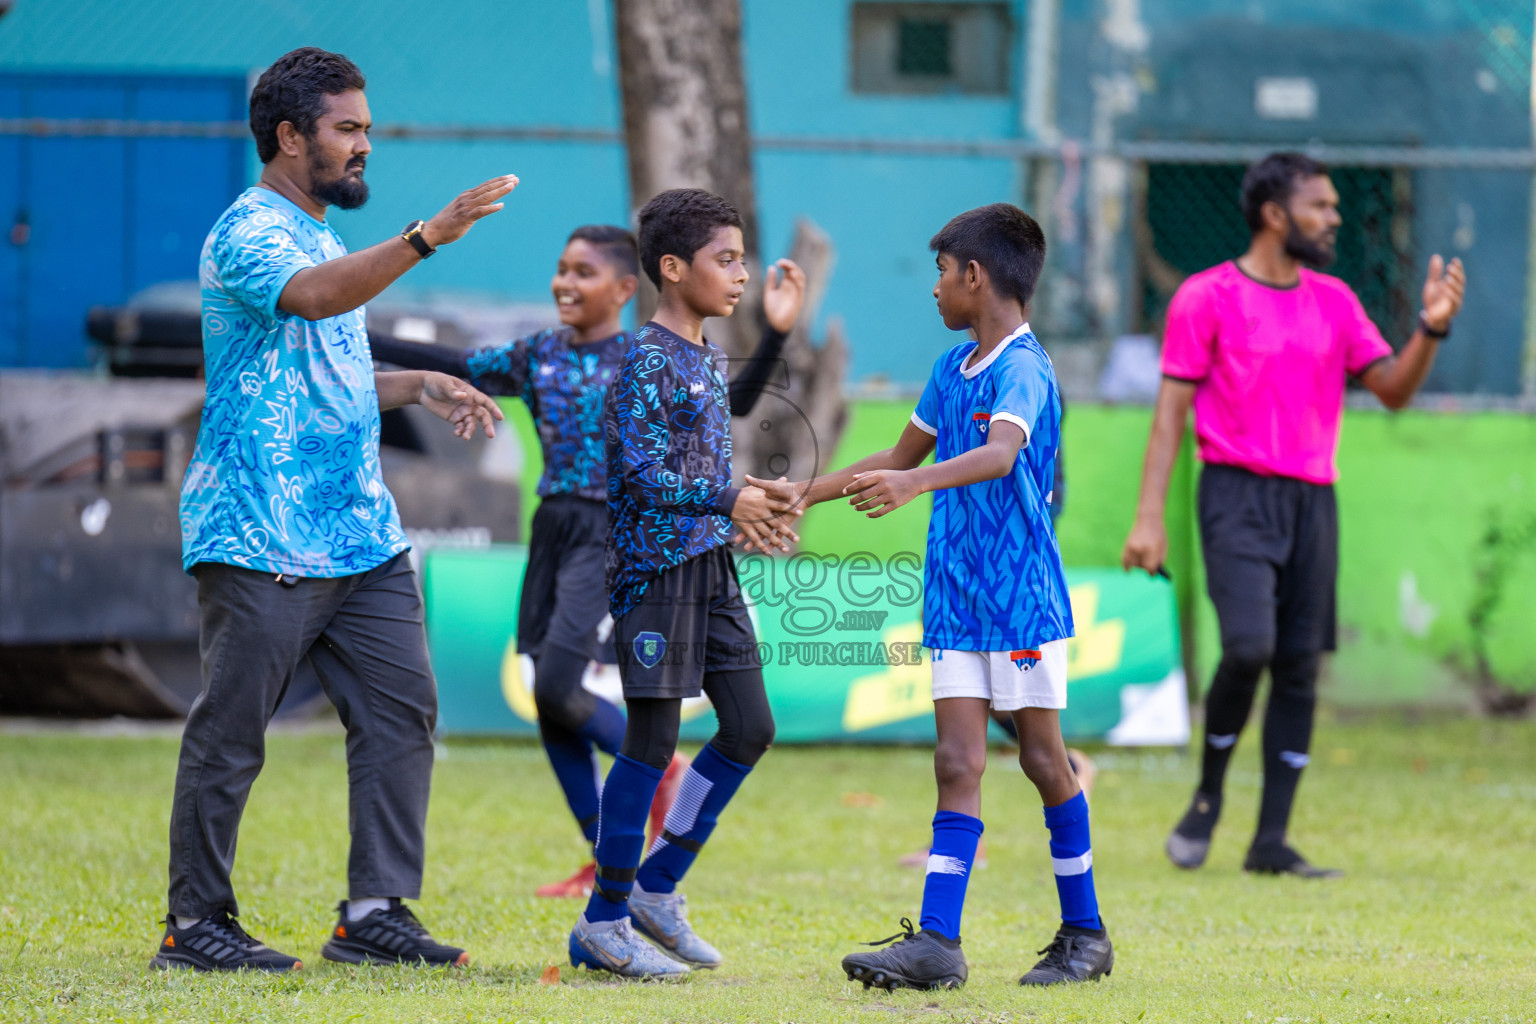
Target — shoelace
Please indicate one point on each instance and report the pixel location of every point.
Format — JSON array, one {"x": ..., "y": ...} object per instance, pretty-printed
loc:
[
  {"x": 1059, "y": 952},
  {"x": 625, "y": 930},
  {"x": 909, "y": 933},
  {"x": 229, "y": 931},
  {"x": 401, "y": 915}
]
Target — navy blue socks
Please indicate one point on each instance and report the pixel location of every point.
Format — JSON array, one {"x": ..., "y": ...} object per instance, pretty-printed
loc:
[
  {"x": 625, "y": 805},
  {"x": 708, "y": 785}
]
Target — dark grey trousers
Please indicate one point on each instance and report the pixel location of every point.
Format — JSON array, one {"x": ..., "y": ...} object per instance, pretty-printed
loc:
[{"x": 366, "y": 637}]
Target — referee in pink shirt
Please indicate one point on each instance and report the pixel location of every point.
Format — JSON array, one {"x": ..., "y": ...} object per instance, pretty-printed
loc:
[{"x": 1260, "y": 347}]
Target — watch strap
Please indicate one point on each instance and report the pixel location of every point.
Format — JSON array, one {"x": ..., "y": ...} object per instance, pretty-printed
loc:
[{"x": 412, "y": 234}]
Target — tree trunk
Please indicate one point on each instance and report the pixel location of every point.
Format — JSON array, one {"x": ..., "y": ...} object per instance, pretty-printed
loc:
[{"x": 685, "y": 125}]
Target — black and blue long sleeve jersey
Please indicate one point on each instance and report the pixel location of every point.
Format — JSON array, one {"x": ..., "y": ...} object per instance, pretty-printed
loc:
[
  {"x": 668, "y": 428},
  {"x": 564, "y": 385}
]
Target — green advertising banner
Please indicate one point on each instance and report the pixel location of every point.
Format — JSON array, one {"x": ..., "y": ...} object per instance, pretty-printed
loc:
[{"x": 840, "y": 639}]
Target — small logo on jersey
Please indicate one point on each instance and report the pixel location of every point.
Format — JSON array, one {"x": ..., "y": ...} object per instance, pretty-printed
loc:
[
  {"x": 982, "y": 420},
  {"x": 1024, "y": 660},
  {"x": 696, "y": 388},
  {"x": 649, "y": 647}
]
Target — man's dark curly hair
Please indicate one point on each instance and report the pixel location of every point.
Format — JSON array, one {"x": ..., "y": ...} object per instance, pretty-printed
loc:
[
  {"x": 294, "y": 89},
  {"x": 679, "y": 222}
]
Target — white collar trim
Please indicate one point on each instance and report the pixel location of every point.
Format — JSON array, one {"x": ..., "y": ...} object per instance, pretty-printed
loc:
[{"x": 969, "y": 372}]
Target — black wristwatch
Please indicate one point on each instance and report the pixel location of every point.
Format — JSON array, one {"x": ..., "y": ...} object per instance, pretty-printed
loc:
[
  {"x": 1430, "y": 332},
  {"x": 412, "y": 234}
]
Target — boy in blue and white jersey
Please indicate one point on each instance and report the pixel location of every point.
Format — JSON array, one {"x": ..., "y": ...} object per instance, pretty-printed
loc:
[{"x": 995, "y": 609}]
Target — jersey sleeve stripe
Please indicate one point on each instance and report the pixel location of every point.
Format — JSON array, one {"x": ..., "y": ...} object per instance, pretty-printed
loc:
[
  {"x": 1008, "y": 417},
  {"x": 920, "y": 424}
]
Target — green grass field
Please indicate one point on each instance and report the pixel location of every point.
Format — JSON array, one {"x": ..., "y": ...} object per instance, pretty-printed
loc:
[{"x": 1436, "y": 823}]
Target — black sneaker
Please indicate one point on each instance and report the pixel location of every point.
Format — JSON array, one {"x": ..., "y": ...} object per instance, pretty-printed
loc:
[
  {"x": 1075, "y": 954},
  {"x": 217, "y": 943},
  {"x": 391, "y": 936},
  {"x": 1280, "y": 859},
  {"x": 1190, "y": 840},
  {"x": 921, "y": 960}
]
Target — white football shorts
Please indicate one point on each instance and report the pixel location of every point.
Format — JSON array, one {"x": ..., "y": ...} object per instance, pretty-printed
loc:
[{"x": 1009, "y": 679}]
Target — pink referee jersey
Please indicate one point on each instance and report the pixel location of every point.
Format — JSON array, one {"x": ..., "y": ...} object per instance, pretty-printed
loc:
[{"x": 1269, "y": 365}]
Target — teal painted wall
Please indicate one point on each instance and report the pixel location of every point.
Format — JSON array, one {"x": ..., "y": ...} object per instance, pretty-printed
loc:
[
  {"x": 553, "y": 64},
  {"x": 1382, "y": 67}
]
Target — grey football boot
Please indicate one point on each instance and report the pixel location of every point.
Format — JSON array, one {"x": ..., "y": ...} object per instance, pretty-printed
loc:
[
  {"x": 662, "y": 917},
  {"x": 620, "y": 951}
]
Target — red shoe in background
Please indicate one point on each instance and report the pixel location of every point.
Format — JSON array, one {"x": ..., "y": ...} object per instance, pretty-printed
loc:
[
  {"x": 666, "y": 796},
  {"x": 578, "y": 886}
]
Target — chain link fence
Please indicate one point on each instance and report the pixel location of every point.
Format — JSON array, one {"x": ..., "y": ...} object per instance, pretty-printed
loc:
[{"x": 1188, "y": 218}]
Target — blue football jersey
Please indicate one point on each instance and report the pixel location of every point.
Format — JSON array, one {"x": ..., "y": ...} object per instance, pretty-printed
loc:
[{"x": 993, "y": 580}]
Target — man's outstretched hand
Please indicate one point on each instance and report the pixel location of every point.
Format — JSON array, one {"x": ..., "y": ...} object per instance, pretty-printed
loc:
[
  {"x": 460, "y": 404},
  {"x": 1444, "y": 288},
  {"x": 454, "y": 220},
  {"x": 783, "y": 294}
]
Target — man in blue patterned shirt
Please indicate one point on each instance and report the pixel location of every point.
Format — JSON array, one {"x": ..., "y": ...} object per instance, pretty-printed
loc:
[
  {"x": 996, "y": 613},
  {"x": 563, "y": 374},
  {"x": 680, "y": 625},
  {"x": 294, "y": 540}
]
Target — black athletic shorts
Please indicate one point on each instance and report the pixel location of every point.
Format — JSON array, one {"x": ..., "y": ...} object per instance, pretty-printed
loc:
[
  {"x": 691, "y": 620},
  {"x": 1271, "y": 547},
  {"x": 565, "y": 597}
]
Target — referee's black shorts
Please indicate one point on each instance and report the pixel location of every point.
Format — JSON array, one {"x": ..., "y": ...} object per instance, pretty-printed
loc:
[{"x": 1271, "y": 546}]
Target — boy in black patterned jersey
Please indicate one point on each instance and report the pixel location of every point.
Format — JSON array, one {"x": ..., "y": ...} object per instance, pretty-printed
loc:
[
  {"x": 563, "y": 374},
  {"x": 680, "y": 625}
]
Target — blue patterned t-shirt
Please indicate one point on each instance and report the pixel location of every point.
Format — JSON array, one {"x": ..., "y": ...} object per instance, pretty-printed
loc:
[
  {"x": 285, "y": 476},
  {"x": 668, "y": 432},
  {"x": 993, "y": 580},
  {"x": 564, "y": 385}
]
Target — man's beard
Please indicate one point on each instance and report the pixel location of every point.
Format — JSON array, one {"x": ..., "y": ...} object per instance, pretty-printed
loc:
[
  {"x": 343, "y": 191},
  {"x": 1313, "y": 253}
]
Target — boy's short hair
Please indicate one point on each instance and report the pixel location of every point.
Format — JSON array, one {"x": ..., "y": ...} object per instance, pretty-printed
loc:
[
  {"x": 294, "y": 89},
  {"x": 1273, "y": 180},
  {"x": 616, "y": 244},
  {"x": 679, "y": 222},
  {"x": 1004, "y": 239}
]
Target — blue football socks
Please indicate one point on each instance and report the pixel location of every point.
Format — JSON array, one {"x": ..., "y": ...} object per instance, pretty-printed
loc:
[
  {"x": 707, "y": 786},
  {"x": 625, "y": 805},
  {"x": 576, "y": 770},
  {"x": 950, "y": 858},
  {"x": 1072, "y": 861}
]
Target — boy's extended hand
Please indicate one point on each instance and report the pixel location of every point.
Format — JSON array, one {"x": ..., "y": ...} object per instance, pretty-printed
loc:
[
  {"x": 782, "y": 295},
  {"x": 762, "y": 527},
  {"x": 784, "y": 496},
  {"x": 460, "y": 404},
  {"x": 879, "y": 491}
]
